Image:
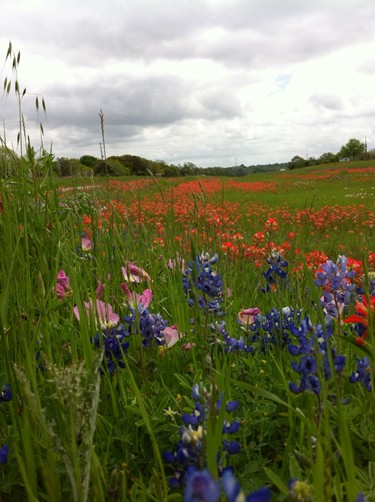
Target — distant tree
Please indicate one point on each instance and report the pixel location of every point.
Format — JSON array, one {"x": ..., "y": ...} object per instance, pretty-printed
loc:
[
  {"x": 353, "y": 149},
  {"x": 328, "y": 157},
  {"x": 64, "y": 167},
  {"x": 88, "y": 160},
  {"x": 189, "y": 169},
  {"x": 296, "y": 162},
  {"x": 171, "y": 171},
  {"x": 117, "y": 168}
]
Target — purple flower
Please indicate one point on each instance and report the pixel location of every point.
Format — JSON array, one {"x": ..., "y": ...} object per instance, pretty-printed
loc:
[
  {"x": 62, "y": 287},
  {"x": 201, "y": 487},
  {"x": 4, "y": 454},
  {"x": 234, "y": 493},
  {"x": 5, "y": 393}
]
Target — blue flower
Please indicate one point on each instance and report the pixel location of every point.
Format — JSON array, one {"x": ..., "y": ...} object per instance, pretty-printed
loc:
[
  {"x": 362, "y": 373},
  {"x": 4, "y": 454},
  {"x": 5, "y": 393},
  {"x": 201, "y": 487},
  {"x": 234, "y": 493}
]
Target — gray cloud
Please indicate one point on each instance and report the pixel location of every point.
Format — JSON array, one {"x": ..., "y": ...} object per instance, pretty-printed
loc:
[
  {"x": 326, "y": 101},
  {"x": 192, "y": 80}
]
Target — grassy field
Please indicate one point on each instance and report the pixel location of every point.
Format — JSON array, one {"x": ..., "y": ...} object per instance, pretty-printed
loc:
[{"x": 186, "y": 339}]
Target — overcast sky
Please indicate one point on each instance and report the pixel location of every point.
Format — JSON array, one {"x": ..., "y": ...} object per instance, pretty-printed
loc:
[{"x": 213, "y": 82}]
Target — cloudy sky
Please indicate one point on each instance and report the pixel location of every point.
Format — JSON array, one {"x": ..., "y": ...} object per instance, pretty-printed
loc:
[{"x": 213, "y": 82}]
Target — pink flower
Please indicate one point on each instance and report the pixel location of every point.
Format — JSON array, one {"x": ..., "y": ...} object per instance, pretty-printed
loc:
[
  {"x": 103, "y": 312},
  {"x": 62, "y": 287},
  {"x": 63, "y": 280},
  {"x": 99, "y": 290},
  {"x": 135, "y": 299},
  {"x": 247, "y": 316},
  {"x": 132, "y": 273},
  {"x": 176, "y": 263},
  {"x": 60, "y": 291},
  {"x": 171, "y": 335},
  {"x": 86, "y": 244}
]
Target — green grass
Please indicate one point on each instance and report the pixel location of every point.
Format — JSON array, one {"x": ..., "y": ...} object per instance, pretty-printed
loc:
[
  {"x": 79, "y": 434},
  {"x": 84, "y": 425}
]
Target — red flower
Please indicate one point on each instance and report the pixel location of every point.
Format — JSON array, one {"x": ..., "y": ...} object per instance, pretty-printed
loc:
[{"x": 364, "y": 310}]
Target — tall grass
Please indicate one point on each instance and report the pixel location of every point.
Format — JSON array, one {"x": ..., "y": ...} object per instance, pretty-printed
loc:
[{"x": 78, "y": 430}]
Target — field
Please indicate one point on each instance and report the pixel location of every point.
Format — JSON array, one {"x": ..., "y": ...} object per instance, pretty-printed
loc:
[{"x": 188, "y": 339}]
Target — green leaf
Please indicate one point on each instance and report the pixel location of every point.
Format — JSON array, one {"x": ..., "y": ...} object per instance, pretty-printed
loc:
[{"x": 276, "y": 481}]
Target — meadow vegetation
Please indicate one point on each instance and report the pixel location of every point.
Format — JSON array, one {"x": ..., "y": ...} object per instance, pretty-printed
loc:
[{"x": 187, "y": 339}]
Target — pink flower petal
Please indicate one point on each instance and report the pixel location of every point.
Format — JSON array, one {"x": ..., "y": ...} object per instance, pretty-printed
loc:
[
  {"x": 247, "y": 316},
  {"x": 86, "y": 244},
  {"x": 171, "y": 336}
]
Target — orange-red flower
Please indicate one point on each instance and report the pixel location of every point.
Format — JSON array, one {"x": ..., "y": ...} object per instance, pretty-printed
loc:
[{"x": 364, "y": 310}]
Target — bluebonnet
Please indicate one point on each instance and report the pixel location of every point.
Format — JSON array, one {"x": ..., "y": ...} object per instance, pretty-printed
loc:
[
  {"x": 362, "y": 373},
  {"x": 337, "y": 282},
  {"x": 5, "y": 393},
  {"x": 201, "y": 487},
  {"x": 116, "y": 340},
  {"x": 277, "y": 272},
  {"x": 203, "y": 285},
  {"x": 115, "y": 344},
  {"x": 234, "y": 493},
  {"x": 273, "y": 328},
  {"x": 4, "y": 454},
  {"x": 313, "y": 347},
  {"x": 189, "y": 452}
]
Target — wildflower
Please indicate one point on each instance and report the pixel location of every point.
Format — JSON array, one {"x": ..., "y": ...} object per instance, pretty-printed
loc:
[
  {"x": 234, "y": 493},
  {"x": 86, "y": 244},
  {"x": 172, "y": 336},
  {"x": 299, "y": 491},
  {"x": 313, "y": 346},
  {"x": 133, "y": 273},
  {"x": 247, "y": 316},
  {"x": 5, "y": 393},
  {"x": 275, "y": 271},
  {"x": 103, "y": 312},
  {"x": 62, "y": 287},
  {"x": 271, "y": 225},
  {"x": 115, "y": 344},
  {"x": 336, "y": 279},
  {"x": 201, "y": 487},
  {"x": 136, "y": 300},
  {"x": 4, "y": 454},
  {"x": 203, "y": 285},
  {"x": 63, "y": 280},
  {"x": 168, "y": 412},
  {"x": 99, "y": 290},
  {"x": 189, "y": 452},
  {"x": 177, "y": 263},
  {"x": 362, "y": 373},
  {"x": 364, "y": 310}
]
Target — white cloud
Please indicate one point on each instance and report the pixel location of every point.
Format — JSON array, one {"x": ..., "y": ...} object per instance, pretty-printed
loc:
[{"x": 206, "y": 81}]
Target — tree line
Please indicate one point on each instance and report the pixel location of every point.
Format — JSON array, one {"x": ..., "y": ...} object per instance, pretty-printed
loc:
[
  {"x": 133, "y": 165},
  {"x": 354, "y": 149}
]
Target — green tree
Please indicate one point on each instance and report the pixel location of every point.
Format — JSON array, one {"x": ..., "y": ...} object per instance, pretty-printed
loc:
[
  {"x": 328, "y": 157},
  {"x": 296, "y": 162},
  {"x": 88, "y": 160},
  {"x": 353, "y": 149},
  {"x": 171, "y": 171}
]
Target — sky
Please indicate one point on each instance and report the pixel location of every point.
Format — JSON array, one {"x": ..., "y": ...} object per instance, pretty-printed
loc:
[{"x": 213, "y": 82}]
